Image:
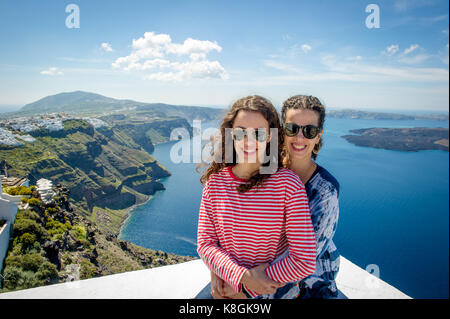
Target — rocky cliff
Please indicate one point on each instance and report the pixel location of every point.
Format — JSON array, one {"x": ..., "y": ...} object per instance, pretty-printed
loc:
[
  {"x": 107, "y": 170},
  {"x": 53, "y": 243}
]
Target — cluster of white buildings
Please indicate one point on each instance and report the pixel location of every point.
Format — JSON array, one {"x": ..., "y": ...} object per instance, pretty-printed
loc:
[
  {"x": 9, "y": 138},
  {"x": 27, "y": 124}
]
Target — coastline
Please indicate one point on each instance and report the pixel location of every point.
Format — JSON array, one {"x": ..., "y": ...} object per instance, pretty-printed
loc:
[{"x": 128, "y": 212}]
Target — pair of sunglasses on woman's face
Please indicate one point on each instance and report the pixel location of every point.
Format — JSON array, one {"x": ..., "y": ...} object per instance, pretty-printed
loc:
[
  {"x": 290, "y": 129},
  {"x": 239, "y": 134},
  {"x": 308, "y": 131}
]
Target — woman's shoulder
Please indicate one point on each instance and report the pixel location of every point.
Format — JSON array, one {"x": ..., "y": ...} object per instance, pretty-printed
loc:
[
  {"x": 324, "y": 181},
  {"x": 219, "y": 176},
  {"x": 287, "y": 176}
]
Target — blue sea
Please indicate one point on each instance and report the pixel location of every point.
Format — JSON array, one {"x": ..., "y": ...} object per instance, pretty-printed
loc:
[{"x": 394, "y": 208}]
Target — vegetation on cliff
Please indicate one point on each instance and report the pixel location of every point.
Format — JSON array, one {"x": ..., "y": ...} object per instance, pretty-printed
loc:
[{"x": 54, "y": 243}]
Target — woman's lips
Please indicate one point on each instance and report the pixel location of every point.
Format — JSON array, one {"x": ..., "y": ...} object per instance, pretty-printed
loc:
[
  {"x": 249, "y": 152},
  {"x": 298, "y": 148}
]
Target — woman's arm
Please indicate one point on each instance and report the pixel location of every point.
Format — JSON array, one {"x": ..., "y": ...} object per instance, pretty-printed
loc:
[
  {"x": 216, "y": 258},
  {"x": 325, "y": 214},
  {"x": 301, "y": 260}
]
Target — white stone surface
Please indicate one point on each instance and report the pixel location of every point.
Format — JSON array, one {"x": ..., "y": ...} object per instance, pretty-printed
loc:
[
  {"x": 356, "y": 283},
  {"x": 185, "y": 281}
]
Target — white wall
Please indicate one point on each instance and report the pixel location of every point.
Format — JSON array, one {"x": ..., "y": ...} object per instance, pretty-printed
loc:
[
  {"x": 4, "y": 242},
  {"x": 8, "y": 211}
]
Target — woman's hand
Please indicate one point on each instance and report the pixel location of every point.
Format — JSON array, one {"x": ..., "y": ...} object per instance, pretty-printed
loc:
[
  {"x": 257, "y": 280},
  {"x": 221, "y": 290}
]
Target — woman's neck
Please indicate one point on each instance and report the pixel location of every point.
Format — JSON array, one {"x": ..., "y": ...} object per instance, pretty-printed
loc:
[
  {"x": 245, "y": 170},
  {"x": 304, "y": 169}
]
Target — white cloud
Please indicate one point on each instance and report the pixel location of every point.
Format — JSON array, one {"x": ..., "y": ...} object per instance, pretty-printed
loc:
[
  {"x": 391, "y": 50},
  {"x": 107, "y": 47},
  {"x": 158, "y": 53},
  {"x": 411, "y": 49},
  {"x": 407, "y": 58},
  {"x": 355, "y": 58},
  {"x": 419, "y": 58},
  {"x": 306, "y": 48},
  {"x": 280, "y": 66},
  {"x": 193, "y": 46},
  {"x": 52, "y": 71},
  {"x": 432, "y": 20},
  {"x": 404, "y": 5},
  {"x": 189, "y": 70},
  {"x": 444, "y": 55},
  {"x": 345, "y": 69},
  {"x": 375, "y": 73}
]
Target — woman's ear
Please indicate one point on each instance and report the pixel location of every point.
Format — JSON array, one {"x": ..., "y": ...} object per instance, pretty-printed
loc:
[{"x": 320, "y": 134}]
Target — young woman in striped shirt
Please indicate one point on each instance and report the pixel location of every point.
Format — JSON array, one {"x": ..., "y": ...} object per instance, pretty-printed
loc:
[{"x": 254, "y": 228}]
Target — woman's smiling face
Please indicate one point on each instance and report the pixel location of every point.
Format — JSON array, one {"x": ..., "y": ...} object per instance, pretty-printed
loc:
[
  {"x": 299, "y": 147},
  {"x": 250, "y": 150}
]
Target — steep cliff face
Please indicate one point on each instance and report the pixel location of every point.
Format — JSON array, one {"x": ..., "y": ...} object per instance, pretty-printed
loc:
[
  {"x": 138, "y": 131},
  {"x": 107, "y": 169}
]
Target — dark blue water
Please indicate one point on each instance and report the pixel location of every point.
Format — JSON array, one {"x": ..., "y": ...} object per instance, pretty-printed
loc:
[{"x": 393, "y": 208}]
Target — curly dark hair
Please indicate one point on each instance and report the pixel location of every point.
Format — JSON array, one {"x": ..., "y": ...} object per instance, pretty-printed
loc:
[
  {"x": 306, "y": 102},
  {"x": 252, "y": 103}
]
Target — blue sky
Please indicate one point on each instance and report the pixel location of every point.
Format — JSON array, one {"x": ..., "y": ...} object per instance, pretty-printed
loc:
[{"x": 214, "y": 52}]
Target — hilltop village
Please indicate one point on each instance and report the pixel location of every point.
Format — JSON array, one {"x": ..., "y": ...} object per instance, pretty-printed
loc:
[{"x": 15, "y": 131}]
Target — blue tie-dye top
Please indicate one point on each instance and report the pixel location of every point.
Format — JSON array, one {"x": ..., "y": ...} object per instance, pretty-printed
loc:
[{"x": 323, "y": 195}]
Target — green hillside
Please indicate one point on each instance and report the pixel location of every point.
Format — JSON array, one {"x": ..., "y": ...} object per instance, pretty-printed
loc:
[
  {"x": 86, "y": 103},
  {"x": 53, "y": 243}
]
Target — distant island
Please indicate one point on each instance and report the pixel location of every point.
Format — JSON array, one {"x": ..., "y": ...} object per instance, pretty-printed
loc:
[
  {"x": 365, "y": 115},
  {"x": 401, "y": 139}
]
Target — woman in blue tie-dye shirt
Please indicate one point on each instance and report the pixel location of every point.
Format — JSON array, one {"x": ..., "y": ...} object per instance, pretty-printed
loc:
[{"x": 303, "y": 121}]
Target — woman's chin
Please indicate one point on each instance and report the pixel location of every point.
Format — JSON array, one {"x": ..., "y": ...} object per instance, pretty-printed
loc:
[{"x": 249, "y": 157}]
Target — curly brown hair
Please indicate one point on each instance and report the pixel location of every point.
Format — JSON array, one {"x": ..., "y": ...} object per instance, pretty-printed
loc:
[
  {"x": 306, "y": 102},
  {"x": 220, "y": 159}
]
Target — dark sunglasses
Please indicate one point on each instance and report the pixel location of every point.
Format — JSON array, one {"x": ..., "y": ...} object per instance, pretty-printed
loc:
[
  {"x": 239, "y": 134},
  {"x": 308, "y": 131}
]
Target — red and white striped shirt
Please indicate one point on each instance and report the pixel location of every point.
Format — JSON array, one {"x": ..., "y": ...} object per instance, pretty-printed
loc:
[{"x": 237, "y": 231}]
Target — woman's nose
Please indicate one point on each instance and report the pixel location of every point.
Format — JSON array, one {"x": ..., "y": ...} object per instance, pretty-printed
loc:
[{"x": 299, "y": 135}]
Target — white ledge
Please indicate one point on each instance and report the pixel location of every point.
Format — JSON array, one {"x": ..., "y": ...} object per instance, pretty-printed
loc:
[{"x": 185, "y": 281}]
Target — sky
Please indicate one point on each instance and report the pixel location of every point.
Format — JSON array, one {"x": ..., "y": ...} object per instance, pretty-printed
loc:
[{"x": 379, "y": 55}]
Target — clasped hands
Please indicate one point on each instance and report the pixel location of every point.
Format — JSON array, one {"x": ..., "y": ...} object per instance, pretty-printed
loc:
[{"x": 254, "y": 278}]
